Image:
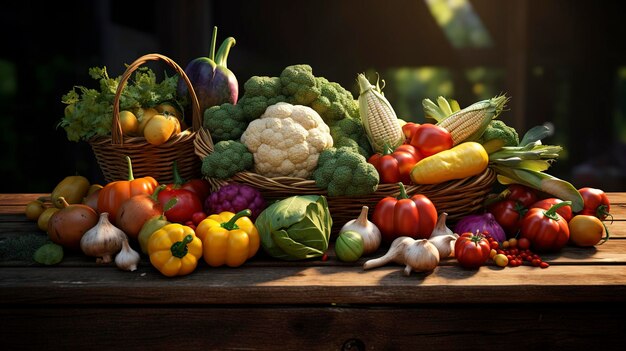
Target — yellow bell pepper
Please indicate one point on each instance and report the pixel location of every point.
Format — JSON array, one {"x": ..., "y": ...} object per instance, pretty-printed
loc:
[
  {"x": 228, "y": 238},
  {"x": 174, "y": 250}
]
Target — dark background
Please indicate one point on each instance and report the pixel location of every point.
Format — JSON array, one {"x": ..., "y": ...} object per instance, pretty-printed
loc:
[{"x": 562, "y": 62}]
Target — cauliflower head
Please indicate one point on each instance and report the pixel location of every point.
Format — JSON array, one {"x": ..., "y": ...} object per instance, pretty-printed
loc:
[{"x": 287, "y": 140}]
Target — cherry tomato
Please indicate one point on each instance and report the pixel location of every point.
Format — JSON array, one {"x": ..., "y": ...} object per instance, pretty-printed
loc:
[
  {"x": 596, "y": 203},
  {"x": 586, "y": 230},
  {"x": 545, "y": 229},
  {"x": 472, "y": 250},
  {"x": 509, "y": 214},
  {"x": 522, "y": 194},
  {"x": 198, "y": 217},
  {"x": 501, "y": 260},
  {"x": 430, "y": 139},
  {"x": 523, "y": 243},
  {"x": 565, "y": 211}
]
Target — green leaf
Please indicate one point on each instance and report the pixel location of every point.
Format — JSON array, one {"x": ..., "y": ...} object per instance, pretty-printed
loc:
[
  {"x": 433, "y": 110},
  {"x": 292, "y": 249},
  {"x": 535, "y": 134}
]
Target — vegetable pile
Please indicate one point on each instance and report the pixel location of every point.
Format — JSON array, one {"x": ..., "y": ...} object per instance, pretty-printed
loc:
[{"x": 304, "y": 126}]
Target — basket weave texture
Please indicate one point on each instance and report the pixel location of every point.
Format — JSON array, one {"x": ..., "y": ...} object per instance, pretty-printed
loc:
[
  {"x": 149, "y": 160},
  {"x": 456, "y": 197}
]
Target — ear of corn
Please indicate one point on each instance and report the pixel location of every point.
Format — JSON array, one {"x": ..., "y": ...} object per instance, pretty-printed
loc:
[
  {"x": 469, "y": 123},
  {"x": 378, "y": 117}
]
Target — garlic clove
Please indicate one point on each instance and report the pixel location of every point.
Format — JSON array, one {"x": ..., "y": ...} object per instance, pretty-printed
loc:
[
  {"x": 444, "y": 244},
  {"x": 127, "y": 259},
  {"x": 421, "y": 256},
  {"x": 440, "y": 227}
]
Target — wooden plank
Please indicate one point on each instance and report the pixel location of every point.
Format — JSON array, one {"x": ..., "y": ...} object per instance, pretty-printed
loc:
[
  {"x": 405, "y": 327},
  {"x": 285, "y": 285},
  {"x": 19, "y": 199},
  {"x": 617, "y": 198}
]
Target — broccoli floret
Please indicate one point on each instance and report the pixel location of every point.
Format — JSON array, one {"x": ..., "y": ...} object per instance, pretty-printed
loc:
[
  {"x": 254, "y": 106},
  {"x": 299, "y": 85},
  {"x": 343, "y": 172},
  {"x": 497, "y": 135},
  {"x": 349, "y": 132},
  {"x": 225, "y": 122},
  {"x": 228, "y": 158},
  {"x": 335, "y": 102},
  {"x": 263, "y": 86}
]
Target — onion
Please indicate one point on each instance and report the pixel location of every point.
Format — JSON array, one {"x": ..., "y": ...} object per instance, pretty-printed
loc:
[{"x": 481, "y": 223}]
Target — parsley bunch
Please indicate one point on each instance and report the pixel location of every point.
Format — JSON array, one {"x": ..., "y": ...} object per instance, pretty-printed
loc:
[{"x": 89, "y": 112}]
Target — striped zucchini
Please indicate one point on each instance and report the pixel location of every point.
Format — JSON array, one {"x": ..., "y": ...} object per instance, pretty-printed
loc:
[
  {"x": 378, "y": 117},
  {"x": 470, "y": 123}
]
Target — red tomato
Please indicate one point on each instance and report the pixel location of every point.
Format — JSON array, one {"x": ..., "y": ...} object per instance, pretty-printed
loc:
[
  {"x": 414, "y": 217},
  {"x": 430, "y": 139},
  {"x": 471, "y": 250},
  {"x": 565, "y": 211},
  {"x": 523, "y": 194},
  {"x": 395, "y": 166},
  {"x": 410, "y": 149},
  {"x": 198, "y": 217},
  {"x": 509, "y": 214},
  {"x": 546, "y": 230},
  {"x": 596, "y": 203}
]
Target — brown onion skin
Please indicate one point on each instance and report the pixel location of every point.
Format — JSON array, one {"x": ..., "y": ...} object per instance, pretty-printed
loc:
[
  {"x": 136, "y": 211},
  {"x": 91, "y": 200},
  {"x": 67, "y": 226}
]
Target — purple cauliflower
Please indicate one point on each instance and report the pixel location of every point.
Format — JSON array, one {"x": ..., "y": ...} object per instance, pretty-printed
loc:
[{"x": 235, "y": 197}]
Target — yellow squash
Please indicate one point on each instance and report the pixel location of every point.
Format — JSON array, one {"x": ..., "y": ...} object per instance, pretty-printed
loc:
[
  {"x": 462, "y": 161},
  {"x": 72, "y": 188}
]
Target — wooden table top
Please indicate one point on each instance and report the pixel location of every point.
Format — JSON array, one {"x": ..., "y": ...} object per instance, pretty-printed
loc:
[{"x": 575, "y": 275}]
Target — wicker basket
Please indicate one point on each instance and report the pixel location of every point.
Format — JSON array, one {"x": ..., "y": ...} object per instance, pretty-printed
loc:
[
  {"x": 456, "y": 197},
  {"x": 149, "y": 160}
]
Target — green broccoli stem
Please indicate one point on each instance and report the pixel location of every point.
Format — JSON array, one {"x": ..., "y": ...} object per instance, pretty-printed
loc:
[
  {"x": 223, "y": 51},
  {"x": 213, "y": 40},
  {"x": 231, "y": 225}
]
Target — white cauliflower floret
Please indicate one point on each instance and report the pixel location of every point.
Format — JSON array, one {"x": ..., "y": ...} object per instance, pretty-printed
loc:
[{"x": 287, "y": 140}]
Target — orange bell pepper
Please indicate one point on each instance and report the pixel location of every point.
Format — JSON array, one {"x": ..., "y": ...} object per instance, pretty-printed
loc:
[
  {"x": 228, "y": 238},
  {"x": 114, "y": 193}
]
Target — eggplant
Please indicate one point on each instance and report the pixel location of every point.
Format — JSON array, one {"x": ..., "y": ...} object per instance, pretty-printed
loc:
[{"x": 211, "y": 79}]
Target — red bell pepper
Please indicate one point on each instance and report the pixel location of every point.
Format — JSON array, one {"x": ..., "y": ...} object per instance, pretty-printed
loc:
[
  {"x": 188, "y": 201},
  {"x": 200, "y": 187},
  {"x": 430, "y": 139},
  {"x": 409, "y": 129},
  {"x": 395, "y": 166},
  {"x": 403, "y": 216}
]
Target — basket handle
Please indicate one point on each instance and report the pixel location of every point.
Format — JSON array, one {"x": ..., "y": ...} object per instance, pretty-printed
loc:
[{"x": 116, "y": 131}]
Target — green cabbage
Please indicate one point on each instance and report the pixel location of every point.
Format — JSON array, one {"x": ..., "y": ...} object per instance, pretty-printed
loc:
[{"x": 295, "y": 228}]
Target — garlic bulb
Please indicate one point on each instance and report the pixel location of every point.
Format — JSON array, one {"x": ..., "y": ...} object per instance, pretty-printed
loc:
[
  {"x": 417, "y": 255},
  {"x": 368, "y": 231},
  {"x": 103, "y": 240},
  {"x": 421, "y": 256},
  {"x": 444, "y": 244},
  {"x": 128, "y": 258},
  {"x": 440, "y": 227}
]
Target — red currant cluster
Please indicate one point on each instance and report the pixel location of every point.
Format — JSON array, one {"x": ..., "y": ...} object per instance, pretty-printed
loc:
[{"x": 513, "y": 253}]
